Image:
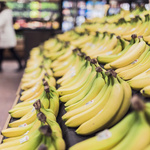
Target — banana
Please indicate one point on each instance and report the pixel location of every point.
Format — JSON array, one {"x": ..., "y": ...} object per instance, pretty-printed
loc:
[
  {"x": 147, "y": 111},
  {"x": 99, "y": 104},
  {"x": 34, "y": 74},
  {"x": 113, "y": 58},
  {"x": 139, "y": 129},
  {"x": 102, "y": 46},
  {"x": 125, "y": 104},
  {"x": 78, "y": 85},
  {"x": 146, "y": 91},
  {"x": 104, "y": 38},
  {"x": 87, "y": 106},
  {"x": 30, "y": 143},
  {"x": 50, "y": 143},
  {"x": 58, "y": 142},
  {"x": 50, "y": 44},
  {"x": 54, "y": 104},
  {"x": 49, "y": 113},
  {"x": 18, "y": 142},
  {"x": 31, "y": 118},
  {"x": 66, "y": 64},
  {"x": 18, "y": 113},
  {"x": 105, "y": 115},
  {"x": 17, "y": 131},
  {"x": 74, "y": 75},
  {"x": 84, "y": 89},
  {"x": 105, "y": 49},
  {"x": 55, "y": 127},
  {"x": 72, "y": 72},
  {"x": 134, "y": 63},
  {"x": 33, "y": 82},
  {"x": 130, "y": 56},
  {"x": 96, "y": 88},
  {"x": 36, "y": 95},
  {"x": 82, "y": 40},
  {"x": 141, "y": 67},
  {"x": 148, "y": 147},
  {"x": 107, "y": 139},
  {"x": 140, "y": 81},
  {"x": 33, "y": 128},
  {"x": 31, "y": 92}
]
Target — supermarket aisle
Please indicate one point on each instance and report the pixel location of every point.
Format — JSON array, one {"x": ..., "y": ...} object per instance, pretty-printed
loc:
[{"x": 9, "y": 81}]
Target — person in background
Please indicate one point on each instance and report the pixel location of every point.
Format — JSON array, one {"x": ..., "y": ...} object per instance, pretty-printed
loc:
[{"x": 7, "y": 34}]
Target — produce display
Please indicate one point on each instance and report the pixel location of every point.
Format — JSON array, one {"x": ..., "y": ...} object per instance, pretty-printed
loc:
[
  {"x": 95, "y": 71},
  {"x": 35, "y": 14},
  {"x": 36, "y": 126}
]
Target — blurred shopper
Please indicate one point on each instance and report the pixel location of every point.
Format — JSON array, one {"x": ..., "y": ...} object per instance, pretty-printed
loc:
[{"x": 7, "y": 34}]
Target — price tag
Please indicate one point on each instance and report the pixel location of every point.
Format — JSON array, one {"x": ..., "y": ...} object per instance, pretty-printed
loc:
[
  {"x": 23, "y": 125},
  {"x": 32, "y": 101},
  {"x": 24, "y": 139},
  {"x": 100, "y": 48},
  {"x": 34, "y": 89},
  {"x": 104, "y": 135},
  {"x": 65, "y": 63},
  {"x": 109, "y": 53},
  {"x": 33, "y": 109},
  {"x": 134, "y": 61},
  {"x": 90, "y": 102},
  {"x": 73, "y": 74},
  {"x": 26, "y": 133}
]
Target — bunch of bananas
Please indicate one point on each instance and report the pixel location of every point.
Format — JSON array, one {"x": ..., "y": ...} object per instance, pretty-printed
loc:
[
  {"x": 38, "y": 85},
  {"x": 129, "y": 60},
  {"x": 38, "y": 66},
  {"x": 136, "y": 25},
  {"x": 90, "y": 93},
  {"x": 43, "y": 130},
  {"x": 131, "y": 133},
  {"x": 141, "y": 82}
]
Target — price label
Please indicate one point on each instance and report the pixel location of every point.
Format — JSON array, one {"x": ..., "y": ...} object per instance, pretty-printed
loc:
[
  {"x": 24, "y": 139},
  {"x": 104, "y": 135}
]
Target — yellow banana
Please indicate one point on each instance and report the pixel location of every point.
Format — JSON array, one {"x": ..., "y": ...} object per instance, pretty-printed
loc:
[
  {"x": 91, "y": 112},
  {"x": 86, "y": 106},
  {"x": 17, "y": 131},
  {"x": 138, "y": 137},
  {"x": 107, "y": 139},
  {"x": 96, "y": 88},
  {"x": 146, "y": 91},
  {"x": 130, "y": 56},
  {"x": 106, "y": 114},
  {"x": 125, "y": 104}
]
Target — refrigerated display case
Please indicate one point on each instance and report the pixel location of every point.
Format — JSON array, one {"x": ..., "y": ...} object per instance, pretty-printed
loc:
[{"x": 36, "y": 14}]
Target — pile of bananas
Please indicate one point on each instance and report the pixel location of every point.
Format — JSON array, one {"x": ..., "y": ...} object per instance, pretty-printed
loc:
[
  {"x": 36, "y": 124},
  {"x": 90, "y": 94},
  {"x": 131, "y": 133},
  {"x": 130, "y": 60},
  {"x": 43, "y": 131},
  {"x": 96, "y": 96}
]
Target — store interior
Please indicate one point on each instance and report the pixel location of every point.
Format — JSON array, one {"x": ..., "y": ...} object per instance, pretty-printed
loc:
[{"x": 72, "y": 54}]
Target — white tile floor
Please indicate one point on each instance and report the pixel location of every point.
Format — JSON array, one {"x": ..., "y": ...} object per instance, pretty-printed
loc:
[{"x": 9, "y": 82}]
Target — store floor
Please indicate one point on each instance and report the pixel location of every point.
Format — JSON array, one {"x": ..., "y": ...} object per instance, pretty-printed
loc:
[{"x": 9, "y": 82}]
